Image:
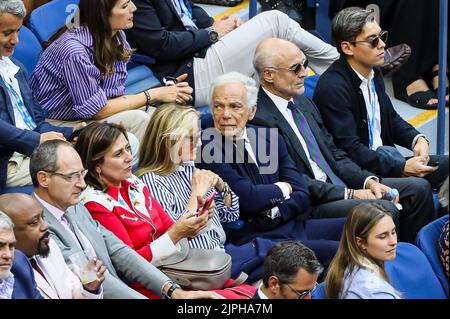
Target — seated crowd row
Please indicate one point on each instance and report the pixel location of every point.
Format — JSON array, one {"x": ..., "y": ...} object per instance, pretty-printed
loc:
[{"x": 270, "y": 161}]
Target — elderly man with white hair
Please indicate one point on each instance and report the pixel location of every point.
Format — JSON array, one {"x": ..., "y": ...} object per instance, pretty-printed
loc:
[{"x": 16, "y": 274}]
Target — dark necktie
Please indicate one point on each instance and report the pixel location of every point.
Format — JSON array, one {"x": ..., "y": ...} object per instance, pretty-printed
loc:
[
  {"x": 250, "y": 167},
  {"x": 36, "y": 267},
  {"x": 311, "y": 144}
]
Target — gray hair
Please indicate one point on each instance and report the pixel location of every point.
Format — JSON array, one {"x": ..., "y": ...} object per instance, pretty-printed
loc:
[
  {"x": 285, "y": 259},
  {"x": 262, "y": 59},
  {"x": 45, "y": 158},
  {"x": 5, "y": 222},
  {"x": 348, "y": 24},
  {"x": 443, "y": 194},
  {"x": 233, "y": 77},
  {"x": 14, "y": 7}
]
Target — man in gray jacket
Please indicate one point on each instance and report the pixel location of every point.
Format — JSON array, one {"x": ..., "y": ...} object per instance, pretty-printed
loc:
[{"x": 58, "y": 177}]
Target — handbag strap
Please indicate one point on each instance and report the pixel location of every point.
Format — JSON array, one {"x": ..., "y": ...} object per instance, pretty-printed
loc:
[{"x": 238, "y": 281}]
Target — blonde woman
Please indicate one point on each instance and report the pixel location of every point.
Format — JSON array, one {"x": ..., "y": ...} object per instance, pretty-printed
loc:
[
  {"x": 368, "y": 240},
  {"x": 168, "y": 153}
]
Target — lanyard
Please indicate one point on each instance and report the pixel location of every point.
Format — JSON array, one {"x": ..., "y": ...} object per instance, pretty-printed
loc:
[
  {"x": 21, "y": 107},
  {"x": 371, "y": 119},
  {"x": 186, "y": 8}
]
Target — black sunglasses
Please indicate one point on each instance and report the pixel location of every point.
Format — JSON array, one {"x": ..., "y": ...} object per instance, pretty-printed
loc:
[
  {"x": 375, "y": 40},
  {"x": 295, "y": 68},
  {"x": 303, "y": 293}
]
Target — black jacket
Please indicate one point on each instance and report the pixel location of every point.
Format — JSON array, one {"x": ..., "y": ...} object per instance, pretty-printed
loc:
[
  {"x": 158, "y": 32},
  {"x": 267, "y": 114},
  {"x": 341, "y": 103}
]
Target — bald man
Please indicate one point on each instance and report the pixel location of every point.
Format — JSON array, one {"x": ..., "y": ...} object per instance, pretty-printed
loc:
[
  {"x": 53, "y": 277},
  {"x": 336, "y": 183}
]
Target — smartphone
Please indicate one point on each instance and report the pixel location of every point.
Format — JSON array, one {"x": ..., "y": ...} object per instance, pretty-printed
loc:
[
  {"x": 433, "y": 163},
  {"x": 207, "y": 205},
  {"x": 169, "y": 80}
]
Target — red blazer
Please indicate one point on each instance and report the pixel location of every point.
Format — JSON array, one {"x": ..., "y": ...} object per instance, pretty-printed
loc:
[{"x": 138, "y": 223}]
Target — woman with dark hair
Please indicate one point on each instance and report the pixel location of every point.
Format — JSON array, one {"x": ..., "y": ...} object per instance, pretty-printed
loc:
[
  {"x": 81, "y": 75},
  {"x": 368, "y": 240},
  {"x": 122, "y": 203}
]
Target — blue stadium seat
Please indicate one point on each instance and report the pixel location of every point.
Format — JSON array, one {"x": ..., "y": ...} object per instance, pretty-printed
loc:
[
  {"x": 140, "y": 78},
  {"x": 28, "y": 50},
  {"x": 322, "y": 21},
  {"x": 310, "y": 85},
  {"x": 24, "y": 189},
  {"x": 47, "y": 19},
  {"x": 411, "y": 273},
  {"x": 427, "y": 241}
]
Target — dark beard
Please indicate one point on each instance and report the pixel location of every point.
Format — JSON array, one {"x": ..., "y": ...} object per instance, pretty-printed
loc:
[{"x": 43, "y": 249}]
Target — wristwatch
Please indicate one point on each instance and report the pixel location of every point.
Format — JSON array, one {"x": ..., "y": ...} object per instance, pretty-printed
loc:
[
  {"x": 226, "y": 190},
  {"x": 171, "y": 290},
  {"x": 213, "y": 35}
]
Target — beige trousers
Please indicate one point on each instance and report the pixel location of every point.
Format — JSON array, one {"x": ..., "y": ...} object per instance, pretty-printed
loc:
[
  {"x": 134, "y": 121},
  {"x": 18, "y": 171}
]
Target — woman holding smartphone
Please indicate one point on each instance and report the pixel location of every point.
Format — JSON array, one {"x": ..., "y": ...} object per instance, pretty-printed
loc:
[
  {"x": 169, "y": 149},
  {"x": 123, "y": 204}
]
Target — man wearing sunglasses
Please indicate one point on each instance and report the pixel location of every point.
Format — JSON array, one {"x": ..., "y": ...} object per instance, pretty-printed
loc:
[
  {"x": 336, "y": 183},
  {"x": 290, "y": 272},
  {"x": 357, "y": 111}
]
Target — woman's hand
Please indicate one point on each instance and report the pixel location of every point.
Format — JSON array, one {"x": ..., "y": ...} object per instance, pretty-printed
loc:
[
  {"x": 189, "y": 225},
  {"x": 180, "y": 93},
  {"x": 202, "y": 181}
]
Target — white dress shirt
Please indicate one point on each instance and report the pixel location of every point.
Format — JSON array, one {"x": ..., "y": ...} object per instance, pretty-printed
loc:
[
  {"x": 282, "y": 104},
  {"x": 8, "y": 71},
  {"x": 368, "y": 98}
]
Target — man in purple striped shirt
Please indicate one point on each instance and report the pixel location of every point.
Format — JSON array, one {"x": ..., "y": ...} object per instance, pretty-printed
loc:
[{"x": 81, "y": 75}]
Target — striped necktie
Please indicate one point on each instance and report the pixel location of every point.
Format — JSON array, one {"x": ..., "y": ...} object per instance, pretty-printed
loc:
[{"x": 311, "y": 144}]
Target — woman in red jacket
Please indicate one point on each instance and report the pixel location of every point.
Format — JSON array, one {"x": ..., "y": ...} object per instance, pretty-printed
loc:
[{"x": 123, "y": 204}]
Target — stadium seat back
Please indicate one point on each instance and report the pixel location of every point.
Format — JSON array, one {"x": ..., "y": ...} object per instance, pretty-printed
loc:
[
  {"x": 47, "y": 19},
  {"x": 427, "y": 241},
  {"x": 28, "y": 50}
]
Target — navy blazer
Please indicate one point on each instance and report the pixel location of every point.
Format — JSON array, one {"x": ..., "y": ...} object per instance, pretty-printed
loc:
[
  {"x": 14, "y": 139},
  {"x": 158, "y": 32},
  {"x": 24, "y": 284},
  {"x": 256, "y": 199},
  {"x": 341, "y": 103},
  {"x": 267, "y": 114}
]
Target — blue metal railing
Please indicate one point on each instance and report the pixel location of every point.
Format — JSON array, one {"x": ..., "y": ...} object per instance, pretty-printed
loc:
[
  {"x": 443, "y": 25},
  {"x": 252, "y": 9}
]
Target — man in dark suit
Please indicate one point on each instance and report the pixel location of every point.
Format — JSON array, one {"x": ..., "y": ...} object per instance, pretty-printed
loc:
[
  {"x": 273, "y": 196},
  {"x": 358, "y": 112},
  {"x": 22, "y": 121},
  {"x": 16, "y": 275},
  {"x": 290, "y": 272},
  {"x": 336, "y": 183},
  {"x": 183, "y": 38}
]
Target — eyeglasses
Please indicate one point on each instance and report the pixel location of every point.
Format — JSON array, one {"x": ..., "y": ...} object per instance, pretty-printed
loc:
[
  {"x": 303, "y": 293},
  {"x": 295, "y": 68},
  {"x": 375, "y": 40},
  {"x": 74, "y": 177}
]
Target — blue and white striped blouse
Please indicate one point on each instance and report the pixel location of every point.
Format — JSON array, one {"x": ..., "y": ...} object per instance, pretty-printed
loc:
[{"x": 173, "y": 193}]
